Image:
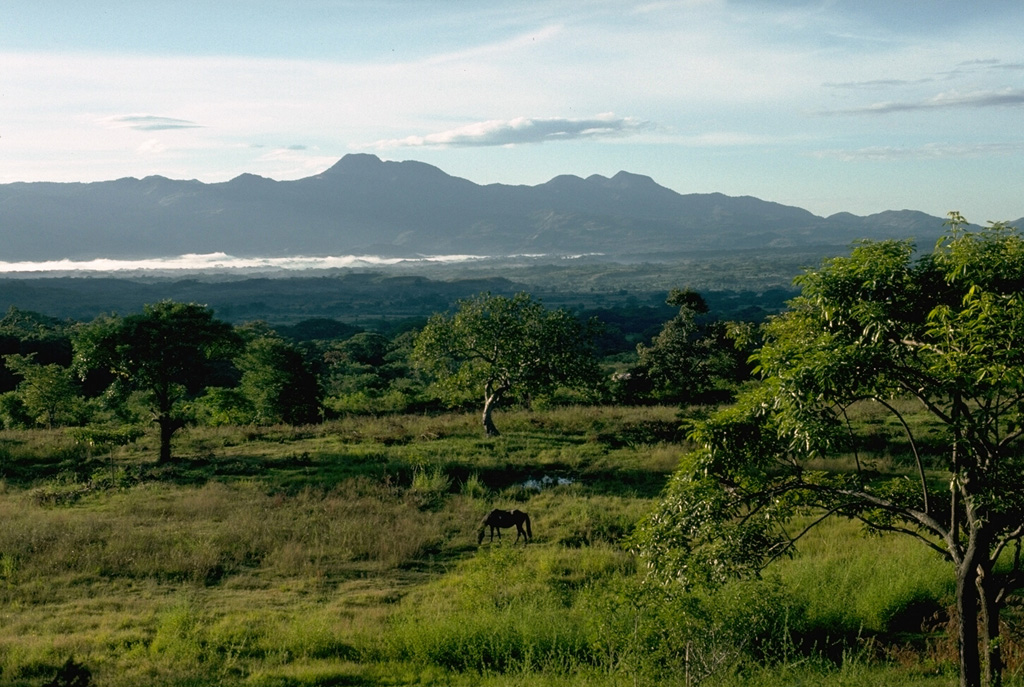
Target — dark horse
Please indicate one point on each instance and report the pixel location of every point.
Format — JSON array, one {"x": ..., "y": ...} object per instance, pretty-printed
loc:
[{"x": 497, "y": 519}]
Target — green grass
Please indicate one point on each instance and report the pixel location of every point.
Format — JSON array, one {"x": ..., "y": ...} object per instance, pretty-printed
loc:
[
  {"x": 345, "y": 554},
  {"x": 850, "y": 582}
]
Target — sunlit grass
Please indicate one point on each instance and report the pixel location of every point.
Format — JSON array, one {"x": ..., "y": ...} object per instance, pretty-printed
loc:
[
  {"x": 851, "y": 583},
  {"x": 346, "y": 554}
]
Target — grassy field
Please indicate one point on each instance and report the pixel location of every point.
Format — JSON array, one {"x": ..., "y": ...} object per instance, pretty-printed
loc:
[{"x": 346, "y": 554}]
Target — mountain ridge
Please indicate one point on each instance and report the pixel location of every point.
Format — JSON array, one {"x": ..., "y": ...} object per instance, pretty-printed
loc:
[{"x": 365, "y": 205}]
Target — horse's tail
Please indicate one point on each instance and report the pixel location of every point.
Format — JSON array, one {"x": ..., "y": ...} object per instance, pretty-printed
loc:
[{"x": 526, "y": 521}]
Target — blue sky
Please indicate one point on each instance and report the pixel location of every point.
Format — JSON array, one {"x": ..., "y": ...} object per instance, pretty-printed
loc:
[{"x": 837, "y": 105}]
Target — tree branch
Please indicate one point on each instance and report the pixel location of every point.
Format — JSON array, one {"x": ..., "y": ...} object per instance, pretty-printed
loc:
[
  {"x": 909, "y": 532},
  {"x": 913, "y": 447},
  {"x": 793, "y": 540}
]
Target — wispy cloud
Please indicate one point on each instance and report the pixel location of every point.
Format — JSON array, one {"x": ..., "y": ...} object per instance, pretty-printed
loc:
[
  {"x": 925, "y": 152},
  {"x": 498, "y": 132},
  {"x": 962, "y": 69},
  {"x": 146, "y": 122},
  {"x": 1009, "y": 97},
  {"x": 987, "y": 64},
  {"x": 875, "y": 83}
]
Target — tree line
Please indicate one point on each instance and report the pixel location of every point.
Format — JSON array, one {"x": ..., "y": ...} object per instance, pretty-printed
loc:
[{"x": 175, "y": 364}]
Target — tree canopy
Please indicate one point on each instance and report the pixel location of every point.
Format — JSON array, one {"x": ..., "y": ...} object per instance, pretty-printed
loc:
[
  {"x": 277, "y": 382},
  {"x": 503, "y": 346},
  {"x": 884, "y": 326},
  {"x": 164, "y": 352},
  {"x": 688, "y": 358},
  {"x": 47, "y": 392}
]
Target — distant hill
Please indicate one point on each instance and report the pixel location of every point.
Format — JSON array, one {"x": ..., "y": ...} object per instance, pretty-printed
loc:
[{"x": 365, "y": 206}]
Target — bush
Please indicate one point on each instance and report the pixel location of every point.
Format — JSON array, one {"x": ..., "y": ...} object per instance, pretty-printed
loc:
[
  {"x": 429, "y": 488},
  {"x": 391, "y": 401}
]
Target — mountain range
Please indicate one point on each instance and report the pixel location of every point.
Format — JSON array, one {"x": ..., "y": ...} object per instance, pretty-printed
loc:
[{"x": 365, "y": 206}]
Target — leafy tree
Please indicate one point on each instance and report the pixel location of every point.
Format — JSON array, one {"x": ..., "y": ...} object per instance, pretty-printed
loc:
[
  {"x": 370, "y": 374},
  {"x": 504, "y": 346},
  {"x": 220, "y": 406},
  {"x": 317, "y": 329},
  {"x": 688, "y": 359},
  {"x": 945, "y": 330},
  {"x": 23, "y": 332},
  {"x": 359, "y": 363},
  {"x": 165, "y": 352},
  {"x": 13, "y": 413},
  {"x": 48, "y": 392},
  {"x": 278, "y": 383}
]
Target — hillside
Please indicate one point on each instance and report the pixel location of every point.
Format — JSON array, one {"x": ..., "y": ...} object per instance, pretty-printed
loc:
[{"x": 363, "y": 205}]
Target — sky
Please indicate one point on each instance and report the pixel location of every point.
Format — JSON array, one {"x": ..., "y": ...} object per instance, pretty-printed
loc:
[{"x": 831, "y": 105}]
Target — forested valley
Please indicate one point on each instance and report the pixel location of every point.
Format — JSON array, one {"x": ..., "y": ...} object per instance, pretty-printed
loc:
[{"x": 773, "y": 485}]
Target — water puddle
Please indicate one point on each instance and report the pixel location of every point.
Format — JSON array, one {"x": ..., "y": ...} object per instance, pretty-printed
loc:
[{"x": 546, "y": 482}]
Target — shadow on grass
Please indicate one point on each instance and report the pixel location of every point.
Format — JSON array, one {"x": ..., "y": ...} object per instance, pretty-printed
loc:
[
  {"x": 297, "y": 472},
  {"x": 609, "y": 462}
]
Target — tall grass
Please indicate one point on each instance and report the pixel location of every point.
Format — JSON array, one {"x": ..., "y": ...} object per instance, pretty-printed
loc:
[
  {"x": 504, "y": 610},
  {"x": 850, "y": 583},
  {"x": 346, "y": 554}
]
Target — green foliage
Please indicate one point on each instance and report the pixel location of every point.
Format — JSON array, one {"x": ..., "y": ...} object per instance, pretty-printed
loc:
[
  {"x": 164, "y": 352},
  {"x": 222, "y": 406},
  {"x": 48, "y": 392},
  {"x": 318, "y": 329},
  {"x": 13, "y": 411},
  {"x": 369, "y": 374},
  {"x": 505, "y": 346},
  {"x": 33, "y": 335},
  {"x": 879, "y": 325},
  {"x": 687, "y": 360},
  {"x": 106, "y": 438},
  {"x": 277, "y": 384}
]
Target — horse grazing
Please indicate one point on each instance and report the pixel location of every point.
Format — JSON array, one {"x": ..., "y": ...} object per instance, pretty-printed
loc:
[{"x": 497, "y": 519}]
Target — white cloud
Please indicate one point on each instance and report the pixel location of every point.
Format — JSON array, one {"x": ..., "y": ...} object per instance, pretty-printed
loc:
[
  {"x": 522, "y": 130},
  {"x": 1007, "y": 97},
  {"x": 147, "y": 122}
]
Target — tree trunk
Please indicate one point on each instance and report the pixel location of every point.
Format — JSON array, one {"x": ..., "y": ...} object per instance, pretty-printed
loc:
[
  {"x": 490, "y": 400},
  {"x": 168, "y": 426},
  {"x": 967, "y": 608},
  {"x": 987, "y": 593}
]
